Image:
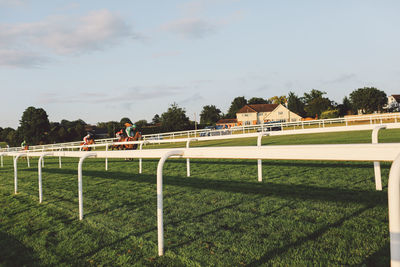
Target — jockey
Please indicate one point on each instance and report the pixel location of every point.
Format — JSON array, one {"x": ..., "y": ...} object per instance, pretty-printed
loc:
[
  {"x": 87, "y": 138},
  {"x": 119, "y": 134},
  {"x": 24, "y": 145},
  {"x": 130, "y": 129}
]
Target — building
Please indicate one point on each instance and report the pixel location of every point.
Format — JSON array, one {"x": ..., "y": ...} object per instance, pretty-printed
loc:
[
  {"x": 393, "y": 102},
  {"x": 262, "y": 113},
  {"x": 227, "y": 123}
]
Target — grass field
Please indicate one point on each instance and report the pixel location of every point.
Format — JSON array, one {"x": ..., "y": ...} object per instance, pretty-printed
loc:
[{"x": 304, "y": 213}]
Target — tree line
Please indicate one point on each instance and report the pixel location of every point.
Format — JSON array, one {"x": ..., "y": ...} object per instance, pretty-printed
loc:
[
  {"x": 35, "y": 127},
  {"x": 313, "y": 104}
]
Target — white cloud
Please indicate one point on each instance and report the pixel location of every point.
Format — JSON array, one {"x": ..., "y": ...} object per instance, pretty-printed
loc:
[
  {"x": 12, "y": 3},
  {"x": 191, "y": 28},
  {"x": 194, "y": 22},
  {"x": 15, "y": 58},
  {"x": 64, "y": 35},
  {"x": 342, "y": 78},
  {"x": 171, "y": 53},
  {"x": 133, "y": 94}
]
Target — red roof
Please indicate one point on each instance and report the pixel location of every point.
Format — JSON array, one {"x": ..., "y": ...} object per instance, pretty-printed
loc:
[
  {"x": 227, "y": 121},
  {"x": 396, "y": 97},
  {"x": 258, "y": 108}
]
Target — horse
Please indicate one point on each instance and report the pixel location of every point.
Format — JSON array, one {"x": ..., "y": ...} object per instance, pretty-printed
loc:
[
  {"x": 85, "y": 147},
  {"x": 124, "y": 138},
  {"x": 121, "y": 138},
  {"x": 134, "y": 138}
]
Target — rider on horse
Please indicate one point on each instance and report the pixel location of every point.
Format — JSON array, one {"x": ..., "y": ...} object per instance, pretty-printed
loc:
[
  {"x": 130, "y": 129},
  {"x": 87, "y": 139},
  {"x": 133, "y": 134}
]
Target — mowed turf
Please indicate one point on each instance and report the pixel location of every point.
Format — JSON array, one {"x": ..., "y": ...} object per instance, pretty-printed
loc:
[{"x": 303, "y": 213}]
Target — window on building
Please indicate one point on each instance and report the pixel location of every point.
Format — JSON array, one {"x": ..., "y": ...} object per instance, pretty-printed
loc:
[{"x": 280, "y": 113}]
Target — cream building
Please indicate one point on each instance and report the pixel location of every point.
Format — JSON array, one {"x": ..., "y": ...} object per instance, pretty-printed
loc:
[{"x": 262, "y": 113}]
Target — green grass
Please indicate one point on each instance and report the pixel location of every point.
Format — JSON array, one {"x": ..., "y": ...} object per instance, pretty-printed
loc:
[{"x": 304, "y": 213}]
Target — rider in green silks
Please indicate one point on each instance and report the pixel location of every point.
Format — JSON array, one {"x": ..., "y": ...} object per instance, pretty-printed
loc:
[{"x": 130, "y": 129}]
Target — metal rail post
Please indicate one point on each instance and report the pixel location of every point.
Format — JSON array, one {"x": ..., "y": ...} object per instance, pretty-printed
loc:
[
  {"x": 140, "y": 160},
  {"x": 394, "y": 211},
  {"x": 80, "y": 194},
  {"x": 16, "y": 172},
  {"x": 160, "y": 226},
  {"x": 188, "y": 160},
  {"x": 377, "y": 166},
  {"x": 106, "y": 157},
  {"x": 59, "y": 159},
  {"x": 259, "y": 161},
  {"x": 40, "y": 175},
  {"x": 27, "y": 160}
]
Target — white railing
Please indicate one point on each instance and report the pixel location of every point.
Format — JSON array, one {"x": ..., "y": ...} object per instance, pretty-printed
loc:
[
  {"x": 348, "y": 152},
  {"x": 283, "y": 126},
  {"x": 374, "y": 138},
  {"x": 354, "y": 152}
]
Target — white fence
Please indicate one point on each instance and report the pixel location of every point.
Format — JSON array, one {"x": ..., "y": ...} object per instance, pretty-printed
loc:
[
  {"x": 366, "y": 119},
  {"x": 348, "y": 152}
]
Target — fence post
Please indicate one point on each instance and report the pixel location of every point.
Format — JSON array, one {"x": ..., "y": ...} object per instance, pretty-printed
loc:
[
  {"x": 80, "y": 194},
  {"x": 394, "y": 211},
  {"x": 259, "y": 161},
  {"x": 27, "y": 161},
  {"x": 16, "y": 172},
  {"x": 140, "y": 159},
  {"x": 106, "y": 157},
  {"x": 2, "y": 161},
  {"x": 160, "y": 226},
  {"x": 59, "y": 159},
  {"x": 188, "y": 160},
  {"x": 377, "y": 166},
  {"x": 40, "y": 175}
]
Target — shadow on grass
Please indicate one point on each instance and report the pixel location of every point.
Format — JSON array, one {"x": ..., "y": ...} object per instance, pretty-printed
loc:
[
  {"x": 14, "y": 253},
  {"x": 312, "y": 237},
  {"x": 379, "y": 258},
  {"x": 271, "y": 163},
  {"x": 289, "y": 191}
]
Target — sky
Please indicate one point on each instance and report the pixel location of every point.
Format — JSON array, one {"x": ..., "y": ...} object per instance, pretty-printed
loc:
[{"x": 104, "y": 60}]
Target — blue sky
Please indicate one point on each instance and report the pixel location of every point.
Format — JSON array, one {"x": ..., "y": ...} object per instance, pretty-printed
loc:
[{"x": 104, "y": 60}]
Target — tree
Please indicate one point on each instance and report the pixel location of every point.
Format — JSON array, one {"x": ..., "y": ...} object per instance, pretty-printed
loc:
[
  {"x": 258, "y": 100},
  {"x": 34, "y": 125},
  {"x": 295, "y": 104},
  {"x": 9, "y": 132},
  {"x": 174, "y": 119},
  {"x": 156, "y": 119},
  {"x": 123, "y": 121},
  {"x": 278, "y": 100},
  {"x": 210, "y": 115},
  {"x": 236, "y": 104},
  {"x": 330, "y": 114},
  {"x": 315, "y": 103},
  {"x": 141, "y": 123},
  {"x": 345, "y": 108},
  {"x": 111, "y": 126},
  {"x": 75, "y": 130},
  {"x": 368, "y": 99}
]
